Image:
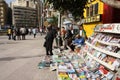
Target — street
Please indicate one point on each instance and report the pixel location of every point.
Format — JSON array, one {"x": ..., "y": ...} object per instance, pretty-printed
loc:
[{"x": 19, "y": 59}]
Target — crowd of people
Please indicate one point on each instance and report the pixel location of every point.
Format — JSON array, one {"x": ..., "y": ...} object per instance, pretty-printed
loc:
[
  {"x": 63, "y": 37},
  {"x": 20, "y": 33}
]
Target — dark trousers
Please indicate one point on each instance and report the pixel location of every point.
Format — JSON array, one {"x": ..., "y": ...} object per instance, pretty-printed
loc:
[
  {"x": 34, "y": 35},
  {"x": 14, "y": 37},
  {"x": 9, "y": 36},
  {"x": 49, "y": 48},
  {"x": 23, "y": 36},
  {"x": 49, "y": 51}
]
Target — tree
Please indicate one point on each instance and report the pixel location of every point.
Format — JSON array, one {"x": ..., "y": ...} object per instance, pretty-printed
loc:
[
  {"x": 76, "y": 7},
  {"x": 113, "y": 3}
]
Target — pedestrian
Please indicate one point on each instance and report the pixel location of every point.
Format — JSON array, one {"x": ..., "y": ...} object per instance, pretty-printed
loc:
[
  {"x": 9, "y": 33},
  {"x": 29, "y": 31},
  {"x": 18, "y": 34},
  {"x": 34, "y": 31},
  {"x": 41, "y": 31},
  {"x": 14, "y": 34},
  {"x": 23, "y": 32},
  {"x": 49, "y": 41}
]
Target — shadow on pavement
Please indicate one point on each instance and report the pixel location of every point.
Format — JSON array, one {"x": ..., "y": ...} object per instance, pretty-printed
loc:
[{"x": 19, "y": 57}]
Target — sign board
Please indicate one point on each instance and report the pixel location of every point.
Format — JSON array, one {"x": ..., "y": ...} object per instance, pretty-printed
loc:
[{"x": 111, "y": 28}]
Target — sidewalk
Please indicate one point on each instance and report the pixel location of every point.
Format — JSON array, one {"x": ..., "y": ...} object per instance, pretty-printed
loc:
[{"x": 19, "y": 59}]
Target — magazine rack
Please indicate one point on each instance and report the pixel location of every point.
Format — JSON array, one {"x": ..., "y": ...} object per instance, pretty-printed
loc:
[
  {"x": 104, "y": 46},
  {"x": 101, "y": 55}
]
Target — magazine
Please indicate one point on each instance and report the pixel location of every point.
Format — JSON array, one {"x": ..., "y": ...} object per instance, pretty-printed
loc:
[
  {"x": 115, "y": 40},
  {"x": 107, "y": 38}
]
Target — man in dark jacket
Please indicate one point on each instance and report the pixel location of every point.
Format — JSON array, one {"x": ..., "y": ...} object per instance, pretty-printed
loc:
[{"x": 49, "y": 41}]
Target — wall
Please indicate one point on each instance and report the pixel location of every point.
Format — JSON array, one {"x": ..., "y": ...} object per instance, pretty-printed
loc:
[
  {"x": 107, "y": 14},
  {"x": 89, "y": 28}
]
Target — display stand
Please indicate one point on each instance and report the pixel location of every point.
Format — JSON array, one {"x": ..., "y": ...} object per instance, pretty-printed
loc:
[{"x": 104, "y": 48}]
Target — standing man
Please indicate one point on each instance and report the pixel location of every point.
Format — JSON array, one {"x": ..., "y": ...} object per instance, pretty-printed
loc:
[
  {"x": 34, "y": 32},
  {"x": 29, "y": 31},
  {"x": 49, "y": 41},
  {"x": 14, "y": 32},
  {"x": 18, "y": 34},
  {"x": 9, "y": 33},
  {"x": 23, "y": 32}
]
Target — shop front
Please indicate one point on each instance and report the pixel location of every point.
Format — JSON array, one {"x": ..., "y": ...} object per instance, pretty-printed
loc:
[
  {"x": 93, "y": 16},
  {"x": 97, "y": 12}
]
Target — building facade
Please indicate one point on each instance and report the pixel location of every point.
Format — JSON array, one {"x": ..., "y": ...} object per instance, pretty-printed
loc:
[
  {"x": 3, "y": 13},
  {"x": 24, "y": 13},
  {"x": 97, "y": 12}
]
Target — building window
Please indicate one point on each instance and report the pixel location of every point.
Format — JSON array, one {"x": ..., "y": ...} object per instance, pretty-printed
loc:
[
  {"x": 96, "y": 8},
  {"x": 87, "y": 11},
  {"x": 91, "y": 10}
]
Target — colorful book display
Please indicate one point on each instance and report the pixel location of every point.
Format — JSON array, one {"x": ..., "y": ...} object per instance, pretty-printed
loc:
[
  {"x": 103, "y": 47},
  {"x": 98, "y": 59}
]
